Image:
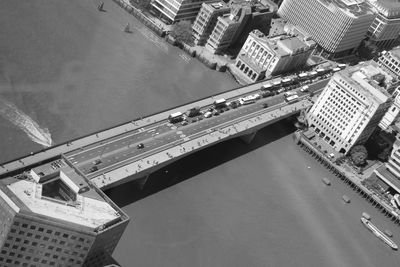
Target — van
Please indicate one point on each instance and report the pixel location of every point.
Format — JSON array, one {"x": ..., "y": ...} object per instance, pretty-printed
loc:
[
  {"x": 304, "y": 88},
  {"x": 208, "y": 114}
]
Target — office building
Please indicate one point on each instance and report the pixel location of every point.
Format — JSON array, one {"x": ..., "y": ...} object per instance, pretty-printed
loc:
[
  {"x": 351, "y": 106},
  {"x": 393, "y": 113},
  {"x": 262, "y": 56},
  {"x": 176, "y": 10},
  {"x": 232, "y": 29},
  {"x": 389, "y": 174},
  {"x": 206, "y": 20},
  {"x": 338, "y": 26},
  {"x": 51, "y": 215},
  {"x": 391, "y": 60},
  {"x": 385, "y": 29}
]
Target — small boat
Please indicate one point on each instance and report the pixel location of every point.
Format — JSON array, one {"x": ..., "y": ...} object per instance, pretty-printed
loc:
[
  {"x": 346, "y": 199},
  {"x": 127, "y": 28},
  {"x": 378, "y": 233},
  {"x": 326, "y": 181},
  {"x": 366, "y": 216}
]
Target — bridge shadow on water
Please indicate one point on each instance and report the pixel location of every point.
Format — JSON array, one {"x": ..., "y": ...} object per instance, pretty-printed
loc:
[{"x": 197, "y": 163}]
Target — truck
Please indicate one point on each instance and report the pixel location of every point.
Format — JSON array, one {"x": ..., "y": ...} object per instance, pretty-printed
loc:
[
  {"x": 175, "y": 117},
  {"x": 220, "y": 103},
  {"x": 292, "y": 98}
]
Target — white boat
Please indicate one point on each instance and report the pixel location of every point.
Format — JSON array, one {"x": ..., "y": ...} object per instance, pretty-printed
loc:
[{"x": 378, "y": 233}]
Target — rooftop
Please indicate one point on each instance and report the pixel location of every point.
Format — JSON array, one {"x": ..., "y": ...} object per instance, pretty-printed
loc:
[
  {"x": 282, "y": 44},
  {"x": 383, "y": 173},
  {"x": 388, "y": 8},
  {"x": 369, "y": 78},
  {"x": 57, "y": 191},
  {"x": 354, "y": 8}
]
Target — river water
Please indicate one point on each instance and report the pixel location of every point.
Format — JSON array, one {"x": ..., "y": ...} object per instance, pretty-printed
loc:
[{"x": 67, "y": 70}]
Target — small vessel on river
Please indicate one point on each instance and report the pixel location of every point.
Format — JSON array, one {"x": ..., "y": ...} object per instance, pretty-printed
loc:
[{"x": 378, "y": 233}]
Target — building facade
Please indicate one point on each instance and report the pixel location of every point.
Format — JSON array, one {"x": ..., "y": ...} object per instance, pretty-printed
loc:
[
  {"x": 51, "y": 215},
  {"x": 206, "y": 20},
  {"x": 231, "y": 29},
  {"x": 385, "y": 29},
  {"x": 228, "y": 28},
  {"x": 262, "y": 56},
  {"x": 351, "y": 106},
  {"x": 338, "y": 26},
  {"x": 391, "y": 60},
  {"x": 176, "y": 10}
]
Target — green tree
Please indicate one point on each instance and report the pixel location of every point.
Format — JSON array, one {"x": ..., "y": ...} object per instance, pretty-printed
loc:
[
  {"x": 182, "y": 32},
  {"x": 359, "y": 155},
  {"x": 384, "y": 155}
]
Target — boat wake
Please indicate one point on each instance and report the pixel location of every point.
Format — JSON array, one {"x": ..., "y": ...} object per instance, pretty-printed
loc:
[{"x": 37, "y": 134}]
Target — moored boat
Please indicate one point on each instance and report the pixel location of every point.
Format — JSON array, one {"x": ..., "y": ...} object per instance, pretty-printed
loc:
[{"x": 378, "y": 233}]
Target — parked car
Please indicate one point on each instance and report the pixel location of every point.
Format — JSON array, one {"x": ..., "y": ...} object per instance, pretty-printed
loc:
[
  {"x": 208, "y": 114},
  {"x": 93, "y": 169},
  {"x": 183, "y": 123}
]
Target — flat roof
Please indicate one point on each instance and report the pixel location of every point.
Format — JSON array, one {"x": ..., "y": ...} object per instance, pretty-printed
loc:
[
  {"x": 86, "y": 208},
  {"x": 365, "y": 77},
  {"x": 384, "y": 174},
  {"x": 388, "y": 8},
  {"x": 354, "y": 8}
]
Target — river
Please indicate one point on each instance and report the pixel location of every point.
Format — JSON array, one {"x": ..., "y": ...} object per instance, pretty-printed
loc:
[{"x": 68, "y": 70}]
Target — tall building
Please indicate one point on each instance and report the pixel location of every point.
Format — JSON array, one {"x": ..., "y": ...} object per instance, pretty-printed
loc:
[
  {"x": 262, "y": 56},
  {"x": 391, "y": 60},
  {"x": 393, "y": 113},
  {"x": 385, "y": 29},
  {"x": 176, "y": 10},
  {"x": 389, "y": 174},
  {"x": 338, "y": 26},
  {"x": 351, "y": 106},
  {"x": 227, "y": 28},
  {"x": 206, "y": 20},
  {"x": 232, "y": 29},
  {"x": 51, "y": 215}
]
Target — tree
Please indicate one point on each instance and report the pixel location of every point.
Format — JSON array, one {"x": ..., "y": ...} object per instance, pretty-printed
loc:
[
  {"x": 358, "y": 155},
  {"x": 182, "y": 32},
  {"x": 384, "y": 155}
]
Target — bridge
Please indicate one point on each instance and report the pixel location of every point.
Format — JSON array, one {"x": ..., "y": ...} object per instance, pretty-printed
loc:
[{"x": 134, "y": 150}]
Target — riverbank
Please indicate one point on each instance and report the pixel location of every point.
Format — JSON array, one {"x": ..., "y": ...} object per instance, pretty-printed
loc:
[{"x": 345, "y": 174}]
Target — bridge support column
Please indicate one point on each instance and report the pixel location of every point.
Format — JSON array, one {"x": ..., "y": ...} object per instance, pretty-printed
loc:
[
  {"x": 142, "y": 181},
  {"x": 247, "y": 138}
]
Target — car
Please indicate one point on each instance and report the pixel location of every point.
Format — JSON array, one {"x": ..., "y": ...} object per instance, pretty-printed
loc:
[
  {"x": 140, "y": 146},
  {"x": 304, "y": 88},
  {"x": 281, "y": 90},
  {"x": 216, "y": 113},
  {"x": 93, "y": 169},
  {"x": 265, "y": 105},
  {"x": 199, "y": 118},
  {"x": 97, "y": 162},
  {"x": 211, "y": 109},
  {"x": 208, "y": 114},
  {"x": 183, "y": 123}
]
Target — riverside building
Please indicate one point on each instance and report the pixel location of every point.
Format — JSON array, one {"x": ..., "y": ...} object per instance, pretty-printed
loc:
[
  {"x": 176, "y": 10},
  {"x": 338, "y": 26},
  {"x": 385, "y": 29},
  {"x": 232, "y": 28},
  {"x": 51, "y": 215},
  {"x": 263, "y": 56},
  {"x": 351, "y": 106},
  {"x": 206, "y": 20}
]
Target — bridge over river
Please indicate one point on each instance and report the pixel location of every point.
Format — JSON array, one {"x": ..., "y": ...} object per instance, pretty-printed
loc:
[{"x": 133, "y": 150}]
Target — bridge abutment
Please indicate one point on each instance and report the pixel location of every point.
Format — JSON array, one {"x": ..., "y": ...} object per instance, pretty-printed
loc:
[{"x": 247, "y": 138}]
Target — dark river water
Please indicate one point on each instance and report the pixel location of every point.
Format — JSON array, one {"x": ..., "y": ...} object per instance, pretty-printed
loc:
[{"x": 67, "y": 70}]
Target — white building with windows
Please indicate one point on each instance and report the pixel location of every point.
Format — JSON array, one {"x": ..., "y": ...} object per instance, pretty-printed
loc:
[
  {"x": 176, "y": 10},
  {"x": 263, "y": 56},
  {"x": 391, "y": 60},
  {"x": 338, "y": 26},
  {"x": 351, "y": 106}
]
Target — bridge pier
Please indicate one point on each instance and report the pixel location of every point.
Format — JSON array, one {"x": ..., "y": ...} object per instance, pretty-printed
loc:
[
  {"x": 247, "y": 138},
  {"x": 142, "y": 181}
]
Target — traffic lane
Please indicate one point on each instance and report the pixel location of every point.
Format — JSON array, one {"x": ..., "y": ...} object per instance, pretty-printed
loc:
[
  {"x": 181, "y": 133},
  {"x": 109, "y": 146},
  {"x": 213, "y": 126},
  {"x": 179, "y": 136}
]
